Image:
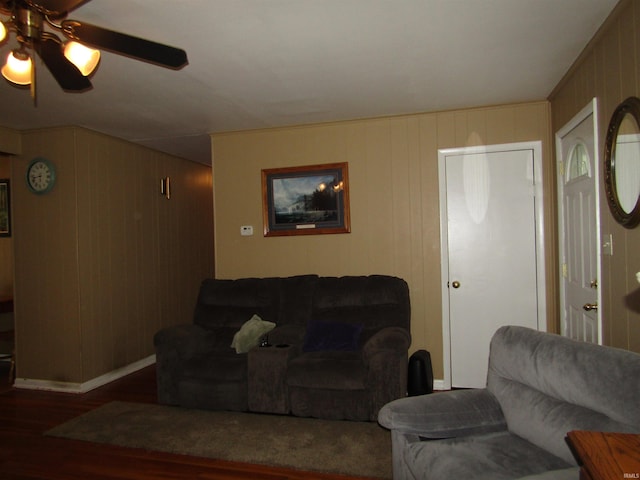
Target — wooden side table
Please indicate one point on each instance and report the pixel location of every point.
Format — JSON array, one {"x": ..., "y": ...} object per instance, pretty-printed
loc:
[
  {"x": 267, "y": 374},
  {"x": 605, "y": 455}
]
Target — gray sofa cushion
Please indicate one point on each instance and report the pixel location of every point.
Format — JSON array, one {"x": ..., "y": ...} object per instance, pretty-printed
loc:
[
  {"x": 328, "y": 370},
  {"x": 546, "y": 420},
  {"x": 601, "y": 379},
  {"x": 332, "y": 336},
  {"x": 548, "y": 385},
  {"x": 372, "y": 301},
  {"x": 495, "y": 456},
  {"x": 232, "y": 302},
  {"x": 571, "y": 473},
  {"x": 296, "y": 294}
]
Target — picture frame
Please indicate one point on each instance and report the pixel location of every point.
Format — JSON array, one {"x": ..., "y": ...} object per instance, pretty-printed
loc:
[
  {"x": 5, "y": 207},
  {"x": 306, "y": 200}
]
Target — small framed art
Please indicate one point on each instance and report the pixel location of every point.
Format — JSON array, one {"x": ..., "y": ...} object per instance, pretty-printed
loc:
[{"x": 306, "y": 200}]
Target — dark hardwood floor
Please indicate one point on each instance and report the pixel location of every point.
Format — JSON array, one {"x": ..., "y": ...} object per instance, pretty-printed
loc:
[{"x": 25, "y": 453}]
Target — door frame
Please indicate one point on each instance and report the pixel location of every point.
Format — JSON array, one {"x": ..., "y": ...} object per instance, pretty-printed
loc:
[
  {"x": 536, "y": 147},
  {"x": 590, "y": 109}
]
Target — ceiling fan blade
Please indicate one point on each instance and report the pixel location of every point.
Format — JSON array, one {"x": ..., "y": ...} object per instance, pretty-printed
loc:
[
  {"x": 123, "y": 44},
  {"x": 56, "y": 7},
  {"x": 66, "y": 73}
]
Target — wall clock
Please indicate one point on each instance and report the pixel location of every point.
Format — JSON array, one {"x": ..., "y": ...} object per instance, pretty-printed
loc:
[{"x": 41, "y": 175}]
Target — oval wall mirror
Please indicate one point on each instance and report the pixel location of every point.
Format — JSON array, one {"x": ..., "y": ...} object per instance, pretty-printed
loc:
[{"x": 622, "y": 163}]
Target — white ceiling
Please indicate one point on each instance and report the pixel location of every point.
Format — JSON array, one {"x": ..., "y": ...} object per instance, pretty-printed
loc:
[{"x": 265, "y": 63}]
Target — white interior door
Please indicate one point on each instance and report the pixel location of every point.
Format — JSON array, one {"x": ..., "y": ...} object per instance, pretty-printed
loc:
[
  {"x": 491, "y": 211},
  {"x": 578, "y": 222}
]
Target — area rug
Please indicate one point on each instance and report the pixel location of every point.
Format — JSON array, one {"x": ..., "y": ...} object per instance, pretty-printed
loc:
[{"x": 342, "y": 447}]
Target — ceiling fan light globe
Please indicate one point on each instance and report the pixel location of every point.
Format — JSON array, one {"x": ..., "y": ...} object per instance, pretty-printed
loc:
[
  {"x": 85, "y": 58},
  {"x": 17, "y": 70},
  {"x": 3, "y": 32}
]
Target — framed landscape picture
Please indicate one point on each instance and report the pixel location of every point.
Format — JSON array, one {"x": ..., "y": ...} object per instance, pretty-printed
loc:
[
  {"x": 307, "y": 200},
  {"x": 5, "y": 208}
]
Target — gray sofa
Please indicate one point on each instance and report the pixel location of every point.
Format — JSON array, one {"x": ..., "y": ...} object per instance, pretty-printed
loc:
[
  {"x": 339, "y": 349},
  {"x": 539, "y": 387}
]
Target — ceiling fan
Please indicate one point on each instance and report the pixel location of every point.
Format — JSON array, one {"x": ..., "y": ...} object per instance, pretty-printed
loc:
[{"x": 28, "y": 19}]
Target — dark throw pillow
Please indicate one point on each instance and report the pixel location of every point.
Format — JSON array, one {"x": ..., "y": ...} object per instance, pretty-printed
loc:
[{"x": 332, "y": 336}]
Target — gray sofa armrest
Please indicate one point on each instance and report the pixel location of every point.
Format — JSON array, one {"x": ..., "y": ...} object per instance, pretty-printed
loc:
[{"x": 444, "y": 414}]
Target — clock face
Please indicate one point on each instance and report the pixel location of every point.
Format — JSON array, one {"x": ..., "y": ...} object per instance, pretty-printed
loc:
[{"x": 40, "y": 175}]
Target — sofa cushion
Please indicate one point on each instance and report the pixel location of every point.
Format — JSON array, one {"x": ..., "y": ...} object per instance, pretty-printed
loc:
[
  {"x": 545, "y": 421},
  {"x": 250, "y": 334},
  {"x": 495, "y": 456},
  {"x": 581, "y": 373},
  {"x": 570, "y": 473},
  {"x": 332, "y": 336},
  {"x": 376, "y": 301},
  {"x": 547, "y": 385},
  {"x": 232, "y": 302},
  {"x": 328, "y": 370},
  {"x": 296, "y": 294}
]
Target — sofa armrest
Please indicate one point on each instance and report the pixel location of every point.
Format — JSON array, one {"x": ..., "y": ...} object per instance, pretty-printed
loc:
[
  {"x": 385, "y": 357},
  {"x": 173, "y": 346},
  {"x": 395, "y": 339},
  {"x": 445, "y": 414}
]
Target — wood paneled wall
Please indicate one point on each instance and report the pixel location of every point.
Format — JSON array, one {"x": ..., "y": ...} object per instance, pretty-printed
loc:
[
  {"x": 10, "y": 144},
  {"x": 393, "y": 173},
  {"x": 6, "y": 243},
  {"x": 10, "y": 141},
  {"x": 609, "y": 69},
  {"x": 103, "y": 261}
]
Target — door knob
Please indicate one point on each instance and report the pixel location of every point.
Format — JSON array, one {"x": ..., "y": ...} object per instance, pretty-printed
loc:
[
  {"x": 590, "y": 306},
  {"x": 455, "y": 284}
]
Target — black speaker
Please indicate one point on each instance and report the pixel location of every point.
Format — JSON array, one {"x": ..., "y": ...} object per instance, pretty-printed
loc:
[{"x": 420, "y": 377}]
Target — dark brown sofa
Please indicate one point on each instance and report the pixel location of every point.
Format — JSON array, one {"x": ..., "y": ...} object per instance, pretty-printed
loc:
[{"x": 339, "y": 348}]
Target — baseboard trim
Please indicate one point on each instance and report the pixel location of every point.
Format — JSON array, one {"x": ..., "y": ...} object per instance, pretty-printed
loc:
[
  {"x": 70, "y": 387},
  {"x": 438, "y": 385}
]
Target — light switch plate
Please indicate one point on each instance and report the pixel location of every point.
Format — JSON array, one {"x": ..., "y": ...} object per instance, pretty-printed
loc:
[{"x": 246, "y": 230}]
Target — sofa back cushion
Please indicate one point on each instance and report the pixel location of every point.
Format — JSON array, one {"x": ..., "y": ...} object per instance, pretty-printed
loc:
[
  {"x": 230, "y": 303},
  {"x": 296, "y": 294},
  {"x": 548, "y": 385},
  {"x": 374, "y": 301}
]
